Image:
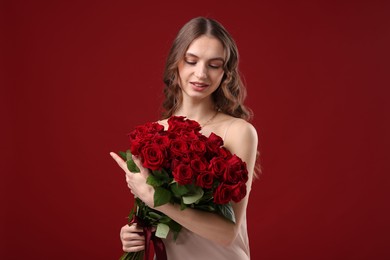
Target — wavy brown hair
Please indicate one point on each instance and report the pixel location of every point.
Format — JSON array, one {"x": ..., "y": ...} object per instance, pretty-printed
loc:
[{"x": 230, "y": 95}]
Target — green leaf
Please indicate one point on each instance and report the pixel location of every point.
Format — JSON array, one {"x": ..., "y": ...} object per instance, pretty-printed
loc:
[
  {"x": 154, "y": 215},
  {"x": 175, "y": 227},
  {"x": 226, "y": 210},
  {"x": 208, "y": 196},
  {"x": 161, "y": 196},
  {"x": 205, "y": 207},
  {"x": 162, "y": 230},
  {"x": 140, "y": 203},
  {"x": 132, "y": 166},
  {"x": 165, "y": 219},
  {"x": 158, "y": 178},
  {"x": 153, "y": 181},
  {"x": 163, "y": 174},
  {"x": 194, "y": 197},
  {"x": 178, "y": 190},
  {"x": 122, "y": 155},
  {"x": 182, "y": 205}
]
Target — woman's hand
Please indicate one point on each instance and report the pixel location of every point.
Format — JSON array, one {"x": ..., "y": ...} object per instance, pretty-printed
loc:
[
  {"x": 132, "y": 238},
  {"x": 137, "y": 181}
]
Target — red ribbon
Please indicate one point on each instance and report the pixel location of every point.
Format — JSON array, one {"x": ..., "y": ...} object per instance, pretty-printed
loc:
[{"x": 150, "y": 236}]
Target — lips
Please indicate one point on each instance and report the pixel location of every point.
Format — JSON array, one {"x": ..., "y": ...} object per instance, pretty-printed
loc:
[{"x": 199, "y": 84}]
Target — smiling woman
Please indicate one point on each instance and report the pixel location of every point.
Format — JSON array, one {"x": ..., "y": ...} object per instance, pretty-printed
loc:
[
  {"x": 202, "y": 84},
  {"x": 230, "y": 95},
  {"x": 201, "y": 70}
]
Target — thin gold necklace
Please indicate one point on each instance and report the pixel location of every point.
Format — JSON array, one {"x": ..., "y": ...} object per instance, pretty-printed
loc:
[{"x": 208, "y": 121}]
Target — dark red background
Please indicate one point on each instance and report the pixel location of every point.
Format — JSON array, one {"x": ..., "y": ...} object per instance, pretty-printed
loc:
[{"x": 76, "y": 76}]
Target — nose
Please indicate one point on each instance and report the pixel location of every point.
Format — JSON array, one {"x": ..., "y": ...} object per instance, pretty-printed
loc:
[{"x": 201, "y": 71}]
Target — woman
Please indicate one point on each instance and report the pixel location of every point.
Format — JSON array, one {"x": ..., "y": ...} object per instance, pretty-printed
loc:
[{"x": 202, "y": 83}]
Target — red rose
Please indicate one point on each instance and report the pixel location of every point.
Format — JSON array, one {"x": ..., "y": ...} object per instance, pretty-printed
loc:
[
  {"x": 151, "y": 127},
  {"x": 188, "y": 136},
  {"x": 162, "y": 140},
  {"x": 198, "y": 146},
  {"x": 243, "y": 173},
  {"x": 178, "y": 147},
  {"x": 146, "y": 129},
  {"x": 138, "y": 132},
  {"x": 231, "y": 176},
  {"x": 172, "y": 135},
  {"x": 205, "y": 180},
  {"x": 235, "y": 161},
  {"x": 237, "y": 171},
  {"x": 156, "y": 127},
  {"x": 223, "y": 194},
  {"x": 187, "y": 157},
  {"x": 198, "y": 165},
  {"x": 218, "y": 166},
  {"x": 152, "y": 157},
  {"x": 193, "y": 125},
  {"x": 175, "y": 122},
  {"x": 135, "y": 146},
  {"x": 225, "y": 153},
  {"x": 142, "y": 136},
  {"x": 239, "y": 191},
  {"x": 179, "y": 124},
  {"x": 183, "y": 174},
  {"x": 214, "y": 142}
]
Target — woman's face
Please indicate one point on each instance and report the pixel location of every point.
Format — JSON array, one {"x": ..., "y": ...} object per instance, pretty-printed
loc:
[{"x": 201, "y": 69}]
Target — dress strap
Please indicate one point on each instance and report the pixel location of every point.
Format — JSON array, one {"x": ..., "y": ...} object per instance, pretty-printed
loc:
[{"x": 227, "y": 128}]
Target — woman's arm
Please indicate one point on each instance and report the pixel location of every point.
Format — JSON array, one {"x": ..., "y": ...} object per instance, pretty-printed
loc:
[{"x": 242, "y": 141}]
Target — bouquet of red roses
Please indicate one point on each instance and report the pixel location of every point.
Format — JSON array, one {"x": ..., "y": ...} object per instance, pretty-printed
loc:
[{"x": 186, "y": 168}]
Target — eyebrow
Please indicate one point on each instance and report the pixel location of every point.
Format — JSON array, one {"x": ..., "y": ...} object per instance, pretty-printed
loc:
[{"x": 216, "y": 58}]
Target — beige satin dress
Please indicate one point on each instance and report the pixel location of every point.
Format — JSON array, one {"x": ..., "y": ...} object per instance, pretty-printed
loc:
[{"x": 190, "y": 246}]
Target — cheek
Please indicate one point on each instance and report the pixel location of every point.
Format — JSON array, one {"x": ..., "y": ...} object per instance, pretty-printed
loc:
[
  {"x": 183, "y": 75},
  {"x": 181, "y": 80},
  {"x": 218, "y": 78}
]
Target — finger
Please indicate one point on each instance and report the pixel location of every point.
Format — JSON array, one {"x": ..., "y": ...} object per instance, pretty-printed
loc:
[
  {"x": 133, "y": 237},
  {"x": 119, "y": 161},
  {"x": 133, "y": 249},
  {"x": 130, "y": 229},
  {"x": 133, "y": 243},
  {"x": 134, "y": 227},
  {"x": 138, "y": 162},
  {"x": 128, "y": 177}
]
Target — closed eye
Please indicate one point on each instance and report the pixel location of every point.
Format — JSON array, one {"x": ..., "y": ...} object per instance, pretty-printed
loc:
[
  {"x": 190, "y": 62},
  {"x": 214, "y": 66}
]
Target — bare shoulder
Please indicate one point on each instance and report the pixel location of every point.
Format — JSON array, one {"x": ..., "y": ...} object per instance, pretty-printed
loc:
[
  {"x": 241, "y": 139},
  {"x": 241, "y": 130}
]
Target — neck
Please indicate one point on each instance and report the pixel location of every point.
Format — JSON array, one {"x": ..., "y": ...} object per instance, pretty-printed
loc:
[{"x": 197, "y": 110}]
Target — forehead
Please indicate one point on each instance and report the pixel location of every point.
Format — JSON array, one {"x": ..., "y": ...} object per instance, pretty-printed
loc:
[{"x": 206, "y": 47}]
